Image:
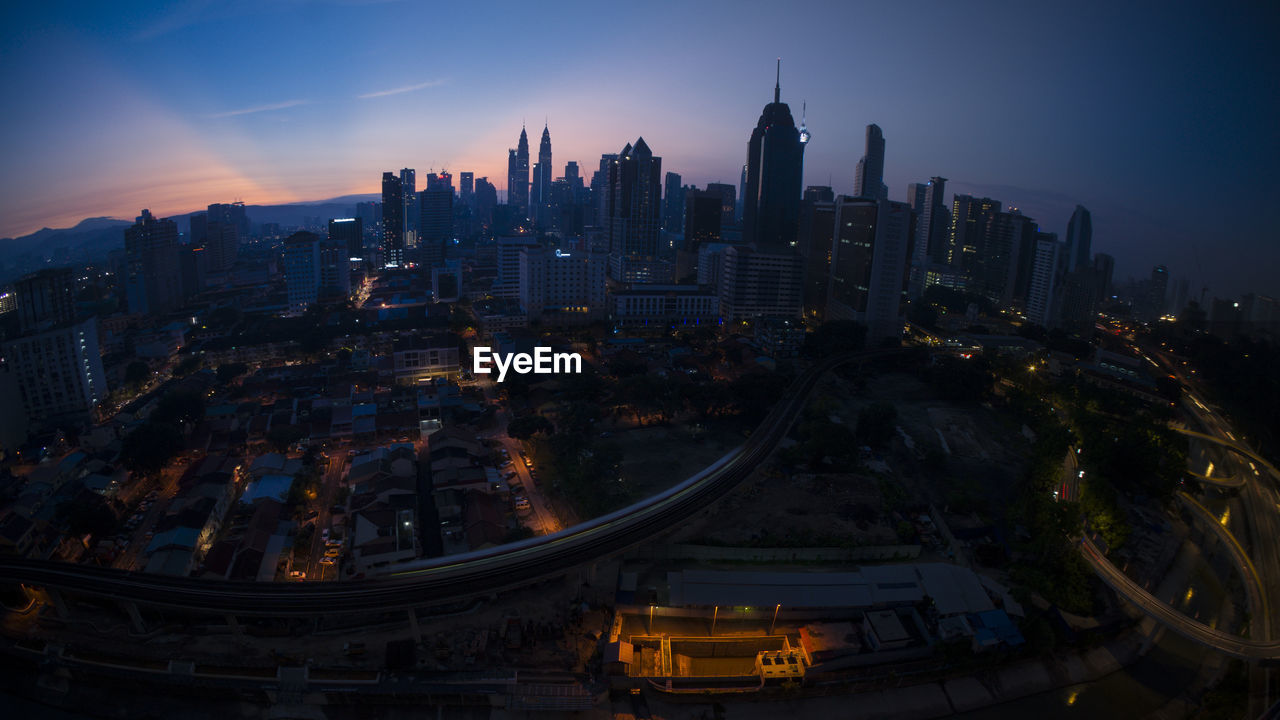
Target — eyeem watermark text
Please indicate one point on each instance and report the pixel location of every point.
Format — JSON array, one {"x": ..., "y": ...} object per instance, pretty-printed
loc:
[{"x": 541, "y": 362}]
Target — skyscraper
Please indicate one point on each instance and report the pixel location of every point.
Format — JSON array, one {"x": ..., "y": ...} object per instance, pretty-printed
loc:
[
  {"x": 672, "y": 203},
  {"x": 349, "y": 232},
  {"x": 868, "y": 180},
  {"x": 518, "y": 175},
  {"x": 409, "y": 195},
  {"x": 728, "y": 202},
  {"x": 153, "y": 281},
  {"x": 466, "y": 187},
  {"x": 869, "y": 265},
  {"x": 1079, "y": 239},
  {"x": 1043, "y": 279},
  {"x": 970, "y": 223},
  {"x": 392, "y": 220},
  {"x": 437, "y": 220},
  {"x": 543, "y": 173},
  {"x": 226, "y": 224},
  {"x": 775, "y": 164},
  {"x": 817, "y": 228},
  {"x": 634, "y": 214},
  {"x": 932, "y": 231},
  {"x": 486, "y": 201},
  {"x": 1157, "y": 292}
]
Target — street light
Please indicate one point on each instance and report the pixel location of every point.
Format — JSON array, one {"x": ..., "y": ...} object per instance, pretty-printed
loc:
[
  {"x": 775, "y": 617},
  {"x": 714, "y": 617},
  {"x": 650, "y": 619}
]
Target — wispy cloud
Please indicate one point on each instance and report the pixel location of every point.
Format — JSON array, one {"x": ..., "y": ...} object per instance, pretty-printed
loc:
[
  {"x": 259, "y": 109},
  {"x": 405, "y": 89}
]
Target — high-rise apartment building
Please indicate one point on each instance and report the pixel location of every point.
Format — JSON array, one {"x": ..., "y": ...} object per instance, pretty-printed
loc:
[
  {"x": 757, "y": 283},
  {"x": 45, "y": 299},
  {"x": 153, "y": 282},
  {"x": 315, "y": 269},
  {"x": 58, "y": 372},
  {"x": 1042, "y": 283},
  {"x": 392, "y": 220}
]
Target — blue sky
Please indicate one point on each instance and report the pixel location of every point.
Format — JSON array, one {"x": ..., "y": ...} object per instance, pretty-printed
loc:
[{"x": 1159, "y": 117}]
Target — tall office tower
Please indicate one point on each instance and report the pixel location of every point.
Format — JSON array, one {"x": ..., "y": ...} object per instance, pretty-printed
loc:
[
  {"x": 486, "y": 201},
  {"x": 442, "y": 180},
  {"x": 466, "y": 187},
  {"x": 970, "y": 220},
  {"x": 518, "y": 176},
  {"x": 635, "y": 190},
  {"x": 315, "y": 269},
  {"x": 601, "y": 194},
  {"x": 1157, "y": 292},
  {"x": 818, "y": 194},
  {"x": 349, "y": 232},
  {"x": 1079, "y": 240},
  {"x": 672, "y": 203},
  {"x": 153, "y": 281},
  {"x": 868, "y": 180},
  {"x": 703, "y": 217},
  {"x": 869, "y": 265},
  {"x": 1003, "y": 256},
  {"x": 1076, "y": 299},
  {"x": 370, "y": 214},
  {"x": 437, "y": 222},
  {"x": 572, "y": 175},
  {"x": 757, "y": 283},
  {"x": 932, "y": 230},
  {"x": 45, "y": 299},
  {"x": 392, "y": 220},
  {"x": 58, "y": 372},
  {"x": 728, "y": 202},
  {"x": 742, "y": 196},
  {"x": 817, "y": 232},
  {"x": 916, "y": 197},
  {"x": 1043, "y": 279},
  {"x": 775, "y": 164},
  {"x": 409, "y": 197},
  {"x": 1180, "y": 291},
  {"x": 1104, "y": 266},
  {"x": 540, "y": 195}
]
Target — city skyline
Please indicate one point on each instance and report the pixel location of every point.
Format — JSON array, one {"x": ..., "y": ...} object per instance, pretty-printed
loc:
[{"x": 288, "y": 124}]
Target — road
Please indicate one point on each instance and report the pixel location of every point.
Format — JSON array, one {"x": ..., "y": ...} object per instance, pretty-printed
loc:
[
  {"x": 452, "y": 578},
  {"x": 545, "y": 518},
  {"x": 1162, "y": 612},
  {"x": 329, "y": 483}
]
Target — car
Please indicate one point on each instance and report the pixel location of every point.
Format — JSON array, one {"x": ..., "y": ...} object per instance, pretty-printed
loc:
[
  {"x": 324, "y": 534},
  {"x": 328, "y": 560},
  {"x": 332, "y": 552},
  {"x": 298, "y": 575},
  {"x": 313, "y": 514},
  {"x": 510, "y": 475}
]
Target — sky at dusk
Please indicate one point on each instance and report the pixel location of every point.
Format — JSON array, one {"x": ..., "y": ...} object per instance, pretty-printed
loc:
[{"x": 1162, "y": 118}]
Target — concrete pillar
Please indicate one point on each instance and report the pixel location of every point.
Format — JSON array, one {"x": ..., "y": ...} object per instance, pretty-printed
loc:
[
  {"x": 59, "y": 603},
  {"x": 413, "y": 625},
  {"x": 135, "y": 616}
]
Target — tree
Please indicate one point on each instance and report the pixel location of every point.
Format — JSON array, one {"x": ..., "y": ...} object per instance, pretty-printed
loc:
[
  {"x": 185, "y": 407},
  {"x": 187, "y": 366},
  {"x": 877, "y": 424},
  {"x": 230, "y": 371},
  {"x": 835, "y": 337},
  {"x": 136, "y": 373},
  {"x": 150, "y": 446},
  {"x": 525, "y": 426},
  {"x": 281, "y": 437}
]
